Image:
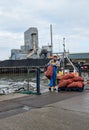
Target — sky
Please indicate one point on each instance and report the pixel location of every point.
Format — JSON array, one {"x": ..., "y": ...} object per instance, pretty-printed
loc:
[{"x": 69, "y": 19}]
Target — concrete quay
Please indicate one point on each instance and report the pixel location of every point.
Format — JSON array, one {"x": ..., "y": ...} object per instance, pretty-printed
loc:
[{"x": 49, "y": 111}]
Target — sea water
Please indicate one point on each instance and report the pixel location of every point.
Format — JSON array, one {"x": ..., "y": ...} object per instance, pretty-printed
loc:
[{"x": 10, "y": 83}]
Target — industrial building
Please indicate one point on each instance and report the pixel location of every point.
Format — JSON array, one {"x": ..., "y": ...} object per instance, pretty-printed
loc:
[
  {"x": 30, "y": 47},
  {"x": 79, "y": 57},
  {"x": 31, "y": 39}
]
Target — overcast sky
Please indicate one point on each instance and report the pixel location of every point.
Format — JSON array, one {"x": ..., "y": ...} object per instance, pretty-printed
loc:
[{"x": 70, "y": 19}]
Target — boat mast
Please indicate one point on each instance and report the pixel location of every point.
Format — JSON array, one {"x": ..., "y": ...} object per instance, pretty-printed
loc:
[{"x": 63, "y": 55}]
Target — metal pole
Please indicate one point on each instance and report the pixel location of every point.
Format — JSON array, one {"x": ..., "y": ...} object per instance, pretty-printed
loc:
[
  {"x": 28, "y": 80},
  {"x": 63, "y": 55},
  {"x": 79, "y": 69},
  {"x": 51, "y": 38},
  {"x": 38, "y": 80},
  {"x": 75, "y": 69}
]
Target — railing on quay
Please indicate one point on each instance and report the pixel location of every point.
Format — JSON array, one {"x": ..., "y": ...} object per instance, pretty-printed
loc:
[
  {"x": 37, "y": 70},
  {"x": 28, "y": 70}
]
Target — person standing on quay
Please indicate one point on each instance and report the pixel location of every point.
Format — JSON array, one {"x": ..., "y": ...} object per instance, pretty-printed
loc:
[{"x": 54, "y": 62}]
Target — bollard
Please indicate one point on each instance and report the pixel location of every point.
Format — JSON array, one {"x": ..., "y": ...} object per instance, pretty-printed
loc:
[{"x": 38, "y": 81}]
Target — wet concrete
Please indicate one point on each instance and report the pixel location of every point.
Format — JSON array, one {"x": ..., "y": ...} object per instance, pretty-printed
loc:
[
  {"x": 48, "y": 118},
  {"x": 50, "y": 111},
  {"x": 12, "y": 106},
  {"x": 11, "y": 96},
  {"x": 79, "y": 103}
]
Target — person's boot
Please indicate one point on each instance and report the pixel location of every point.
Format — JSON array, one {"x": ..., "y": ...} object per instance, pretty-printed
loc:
[
  {"x": 49, "y": 88},
  {"x": 54, "y": 88}
]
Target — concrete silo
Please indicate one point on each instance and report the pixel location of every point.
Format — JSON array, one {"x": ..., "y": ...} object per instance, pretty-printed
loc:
[{"x": 31, "y": 39}]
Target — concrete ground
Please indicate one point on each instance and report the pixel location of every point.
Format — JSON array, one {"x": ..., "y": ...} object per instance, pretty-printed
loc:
[
  {"x": 60, "y": 111},
  {"x": 11, "y": 96}
]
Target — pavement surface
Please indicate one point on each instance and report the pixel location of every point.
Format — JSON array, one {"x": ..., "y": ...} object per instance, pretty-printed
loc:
[
  {"x": 49, "y": 111},
  {"x": 11, "y": 96}
]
